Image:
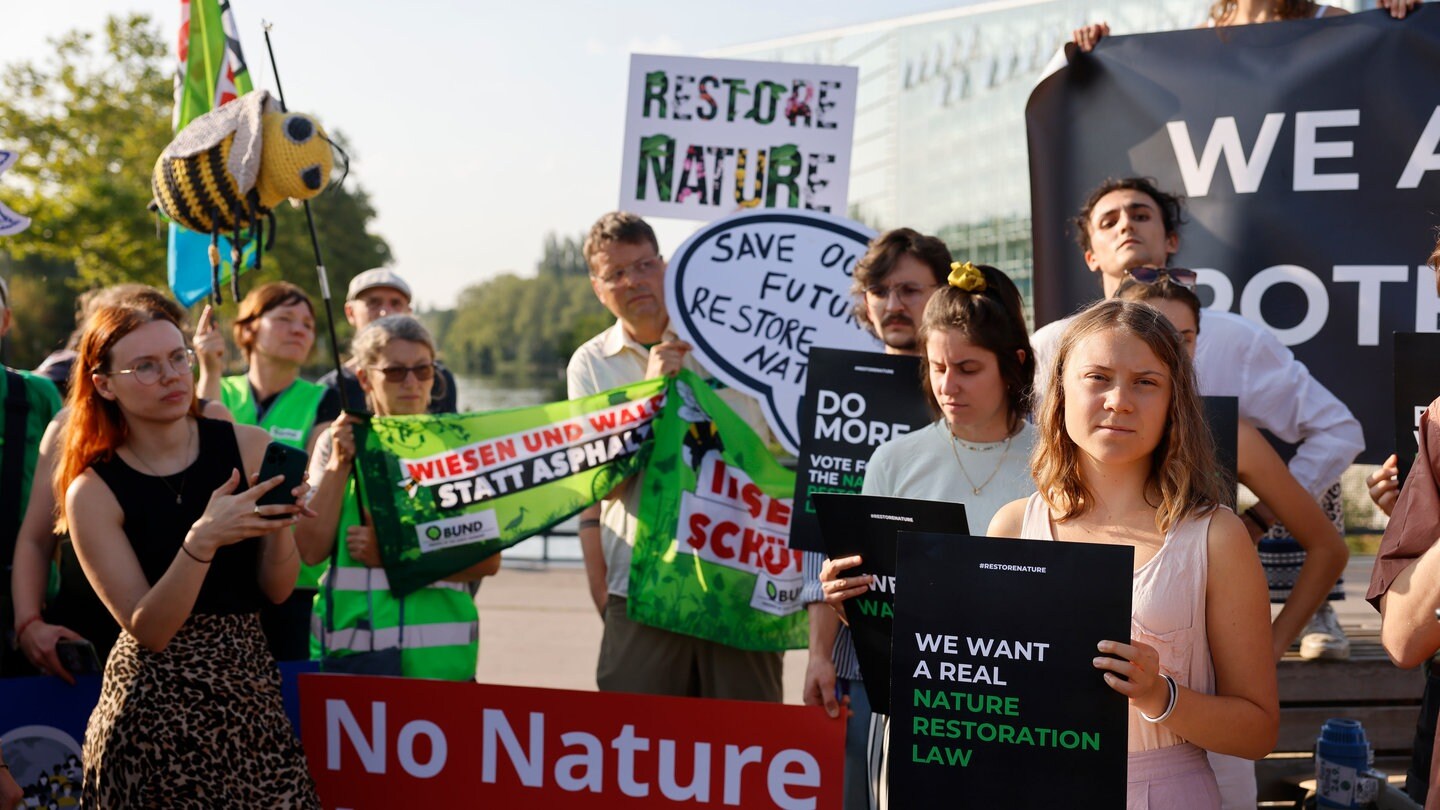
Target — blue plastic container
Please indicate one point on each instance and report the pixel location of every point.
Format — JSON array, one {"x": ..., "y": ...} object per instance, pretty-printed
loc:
[{"x": 1343, "y": 778}]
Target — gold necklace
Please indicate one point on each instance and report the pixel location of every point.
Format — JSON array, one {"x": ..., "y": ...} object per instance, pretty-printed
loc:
[
  {"x": 179, "y": 493},
  {"x": 954, "y": 440}
]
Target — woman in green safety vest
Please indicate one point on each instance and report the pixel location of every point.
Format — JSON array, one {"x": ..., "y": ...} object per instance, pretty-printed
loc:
[
  {"x": 275, "y": 331},
  {"x": 432, "y": 633}
]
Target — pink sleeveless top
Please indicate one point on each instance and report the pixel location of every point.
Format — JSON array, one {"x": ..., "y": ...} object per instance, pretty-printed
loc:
[{"x": 1167, "y": 611}]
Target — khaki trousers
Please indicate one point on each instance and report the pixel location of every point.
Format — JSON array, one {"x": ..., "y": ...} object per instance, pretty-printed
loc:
[{"x": 645, "y": 660}]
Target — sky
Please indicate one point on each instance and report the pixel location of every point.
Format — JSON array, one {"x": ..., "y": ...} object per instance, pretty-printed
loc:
[{"x": 476, "y": 128}]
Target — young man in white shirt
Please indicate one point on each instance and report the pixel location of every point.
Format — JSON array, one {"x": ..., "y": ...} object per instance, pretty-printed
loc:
[
  {"x": 627, "y": 274},
  {"x": 1130, "y": 223}
]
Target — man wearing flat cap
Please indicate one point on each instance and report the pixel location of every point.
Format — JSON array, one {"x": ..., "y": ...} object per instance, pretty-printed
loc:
[{"x": 373, "y": 295}]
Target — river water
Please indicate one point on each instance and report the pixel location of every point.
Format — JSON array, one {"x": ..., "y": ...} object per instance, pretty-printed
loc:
[{"x": 480, "y": 394}]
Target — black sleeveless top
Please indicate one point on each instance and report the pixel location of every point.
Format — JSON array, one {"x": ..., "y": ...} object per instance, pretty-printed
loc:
[{"x": 156, "y": 525}]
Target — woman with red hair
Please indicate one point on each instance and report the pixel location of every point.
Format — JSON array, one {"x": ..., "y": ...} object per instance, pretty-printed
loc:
[{"x": 162, "y": 507}]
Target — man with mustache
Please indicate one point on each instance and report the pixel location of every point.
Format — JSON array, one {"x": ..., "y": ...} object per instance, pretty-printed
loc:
[
  {"x": 627, "y": 274},
  {"x": 893, "y": 282}
]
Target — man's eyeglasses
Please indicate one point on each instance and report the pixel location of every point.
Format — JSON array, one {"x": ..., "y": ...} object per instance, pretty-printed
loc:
[
  {"x": 1153, "y": 275},
  {"x": 909, "y": 293},
  {"x": 397, "y": 374},
  {"x": 639, "y": 269},
  {"x": 148, "y": 372}
]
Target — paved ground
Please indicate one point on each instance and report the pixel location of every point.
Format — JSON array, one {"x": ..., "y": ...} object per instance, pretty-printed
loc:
[{"x": 539, "y": 628}]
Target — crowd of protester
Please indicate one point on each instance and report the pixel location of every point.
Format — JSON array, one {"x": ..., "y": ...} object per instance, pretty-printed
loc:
[
  {"x": 1090, "y": 430},
  {"x": 133, "y": 504}
]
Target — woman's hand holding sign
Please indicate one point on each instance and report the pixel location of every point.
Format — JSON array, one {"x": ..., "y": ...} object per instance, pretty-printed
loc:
[
  {"x": 1135, "y": 673},
  {"x": 837, "y": 589}
]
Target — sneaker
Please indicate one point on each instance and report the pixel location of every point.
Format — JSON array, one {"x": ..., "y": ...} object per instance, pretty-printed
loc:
[{"x": 1323, "y": 637}]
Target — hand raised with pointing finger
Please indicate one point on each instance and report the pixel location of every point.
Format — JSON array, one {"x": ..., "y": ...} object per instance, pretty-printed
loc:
[{"x": 209, "y": 343}]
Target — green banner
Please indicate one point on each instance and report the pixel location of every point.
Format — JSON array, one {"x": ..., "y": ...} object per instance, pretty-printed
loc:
[
  {"x": 447, "y": 491},
  {"x": 712, "y": 555}
]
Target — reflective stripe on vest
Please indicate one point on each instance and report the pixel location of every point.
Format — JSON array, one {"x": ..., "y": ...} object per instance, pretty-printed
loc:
[
  {"x": 366, "y": 615},
  {"x": 374, "y": 579},
  {"x": 290, "y": 417},
  {"x": 417, "y": 636}
]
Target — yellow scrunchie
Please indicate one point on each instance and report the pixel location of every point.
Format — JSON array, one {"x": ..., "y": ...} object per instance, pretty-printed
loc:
[{"x": 967, "y": 277}]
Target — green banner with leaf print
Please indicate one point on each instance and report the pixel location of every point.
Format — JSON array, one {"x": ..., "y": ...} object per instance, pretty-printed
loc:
[
  {"x": 712, "y": 555},
  {"x": 446, "y": 491}
]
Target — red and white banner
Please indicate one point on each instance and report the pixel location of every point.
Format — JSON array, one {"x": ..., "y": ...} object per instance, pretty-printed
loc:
[{"x": 399, "y": 742}]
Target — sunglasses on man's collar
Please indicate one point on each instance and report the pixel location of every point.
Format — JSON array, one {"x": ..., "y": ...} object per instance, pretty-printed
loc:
[{"x": 1153, "y": 275}]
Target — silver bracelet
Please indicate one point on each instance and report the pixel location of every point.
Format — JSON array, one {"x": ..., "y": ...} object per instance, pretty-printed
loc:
[{"x": 1170, "y": 707}]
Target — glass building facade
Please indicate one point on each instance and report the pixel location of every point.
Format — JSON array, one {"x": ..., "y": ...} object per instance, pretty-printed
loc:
[{"x": 940, "y": 129}]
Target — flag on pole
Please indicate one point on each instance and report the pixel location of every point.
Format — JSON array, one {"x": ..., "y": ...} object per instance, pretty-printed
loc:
[{"x": 211, "y": 72}]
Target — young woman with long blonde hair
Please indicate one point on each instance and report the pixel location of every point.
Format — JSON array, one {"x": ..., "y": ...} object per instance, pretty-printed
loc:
[{"x": 1123, "y": 457}]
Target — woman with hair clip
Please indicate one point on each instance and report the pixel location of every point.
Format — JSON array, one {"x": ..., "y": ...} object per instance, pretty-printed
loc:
[
  {"x": 275, "y": 331},
  {"x": 979, "y": 370},
  {"x": 162, "y": 506},
  {"x": 432, "y": 633},
  {"x": 1123, "y": 457},
  {"x": 75, "y": 613}
]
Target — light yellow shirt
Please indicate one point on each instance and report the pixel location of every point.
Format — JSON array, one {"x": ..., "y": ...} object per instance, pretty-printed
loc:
[{"x": 609, "y": 360}]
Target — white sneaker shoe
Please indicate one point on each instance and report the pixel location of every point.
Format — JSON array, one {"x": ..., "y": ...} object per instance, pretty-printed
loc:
[{"x": 1323, "y": 638}]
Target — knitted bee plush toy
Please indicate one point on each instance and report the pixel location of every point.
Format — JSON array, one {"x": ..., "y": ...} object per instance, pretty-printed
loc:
[{"x": 230, "y": 167}]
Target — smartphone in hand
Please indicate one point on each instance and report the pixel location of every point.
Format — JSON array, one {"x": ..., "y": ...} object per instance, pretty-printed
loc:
[
  {"x": 282, "y": 459},
  {"x": 78, "y": 656}
]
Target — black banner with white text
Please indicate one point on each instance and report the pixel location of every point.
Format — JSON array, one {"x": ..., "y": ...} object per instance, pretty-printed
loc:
[{"x": 1309, "y": 156}]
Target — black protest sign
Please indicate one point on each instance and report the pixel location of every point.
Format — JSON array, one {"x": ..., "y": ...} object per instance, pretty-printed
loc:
[
  {"x": 1222, "y": 414},
  {"x": 995, "y": 698},
  {"x": 1308, "y": 153},
  {"x": 854, "y": 402},
  {"x": 1417, "y": 384},
  {"x": 867, "y": 525}
]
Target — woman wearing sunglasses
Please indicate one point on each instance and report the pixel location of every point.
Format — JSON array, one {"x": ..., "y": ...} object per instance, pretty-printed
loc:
[{"x": 432, "y": 633}]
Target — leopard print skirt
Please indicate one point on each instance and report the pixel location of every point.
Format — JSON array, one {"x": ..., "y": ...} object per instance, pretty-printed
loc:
[{"x": 199, "y": 724}]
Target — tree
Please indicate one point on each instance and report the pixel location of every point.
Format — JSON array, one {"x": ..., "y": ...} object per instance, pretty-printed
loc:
[
  {"x": 527, "y": 327},
  {"x": 90, "y": 123}
]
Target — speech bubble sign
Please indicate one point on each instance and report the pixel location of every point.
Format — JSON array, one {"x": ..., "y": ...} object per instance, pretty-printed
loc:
[
  {"x": 11, "y": 223},
  {"x": 754, "y": 292}
]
